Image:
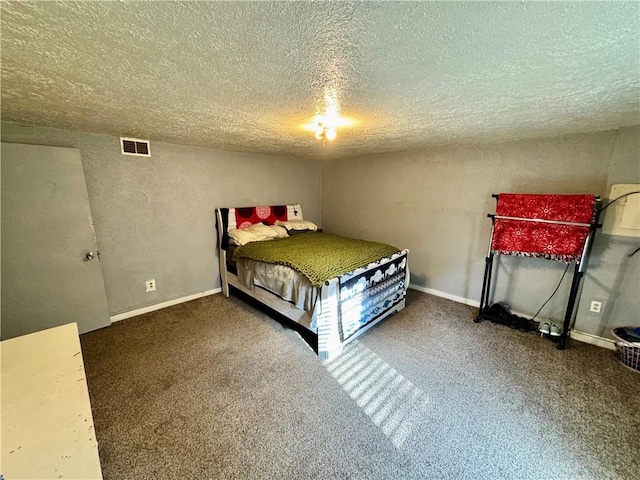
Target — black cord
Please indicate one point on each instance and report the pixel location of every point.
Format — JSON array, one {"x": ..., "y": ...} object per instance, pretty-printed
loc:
[
  {"x": 554, "y": 292},
  {"x": 634, "y": 252},
  {"x": 616, "y": 199}
]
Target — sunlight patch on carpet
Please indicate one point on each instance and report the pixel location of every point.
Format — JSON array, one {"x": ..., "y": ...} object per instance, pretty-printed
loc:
[{"x": 393, "y": 403}]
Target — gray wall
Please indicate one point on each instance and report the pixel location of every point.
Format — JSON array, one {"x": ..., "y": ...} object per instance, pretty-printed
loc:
[
  {"x": 613, "y": 277},
  {"x": 435, "y": 202},
  {"x": 154, "y": 217}
]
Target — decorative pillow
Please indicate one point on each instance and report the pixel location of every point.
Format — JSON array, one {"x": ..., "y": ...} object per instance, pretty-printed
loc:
[
  {"x": 254, "y": 233},
  {"x": 298, "y": 225},
  {"x": 247, "y": 216}
]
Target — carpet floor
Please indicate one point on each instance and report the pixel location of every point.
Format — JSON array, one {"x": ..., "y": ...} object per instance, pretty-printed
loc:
[{"x": 218, "y": 388}]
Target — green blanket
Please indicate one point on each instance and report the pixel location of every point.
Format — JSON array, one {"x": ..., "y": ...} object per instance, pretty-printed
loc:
[{"x": 318, "y": 256}]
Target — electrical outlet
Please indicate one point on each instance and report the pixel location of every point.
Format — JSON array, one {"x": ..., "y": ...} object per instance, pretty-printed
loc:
[
  {"x": 596, "y": 306},
  {"x": 151, "y": 285}
]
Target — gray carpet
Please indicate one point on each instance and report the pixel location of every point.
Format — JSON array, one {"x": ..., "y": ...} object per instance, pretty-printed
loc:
[{"x": 216, "y": 388}]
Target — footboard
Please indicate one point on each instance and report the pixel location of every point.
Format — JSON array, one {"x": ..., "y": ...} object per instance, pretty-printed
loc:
[{"x": 356, "y": 301}]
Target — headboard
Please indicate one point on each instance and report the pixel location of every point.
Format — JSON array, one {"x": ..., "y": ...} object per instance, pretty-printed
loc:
[{"x": 242, "y": 217}]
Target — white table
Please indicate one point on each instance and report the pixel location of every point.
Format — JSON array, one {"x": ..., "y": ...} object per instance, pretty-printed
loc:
[{"x": 47, "y": 427}]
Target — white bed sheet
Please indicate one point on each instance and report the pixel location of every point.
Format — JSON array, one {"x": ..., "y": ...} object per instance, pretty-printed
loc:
[{"x": 280, "y": 280}]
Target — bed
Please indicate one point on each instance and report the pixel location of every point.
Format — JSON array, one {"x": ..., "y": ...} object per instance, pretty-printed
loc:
[{"x": 336, "y": 293}]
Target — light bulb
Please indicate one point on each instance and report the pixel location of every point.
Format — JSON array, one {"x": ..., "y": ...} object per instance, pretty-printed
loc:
[{"x": 330, "y": 133}]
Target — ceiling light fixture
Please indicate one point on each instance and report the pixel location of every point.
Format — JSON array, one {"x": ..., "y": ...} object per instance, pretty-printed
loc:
[
  {"x": 326, "y": 123},
  {"x": 325, "y": 133}
]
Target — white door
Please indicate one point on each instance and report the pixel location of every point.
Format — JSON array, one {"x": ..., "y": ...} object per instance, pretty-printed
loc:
[{"x": 50, "y": 266}]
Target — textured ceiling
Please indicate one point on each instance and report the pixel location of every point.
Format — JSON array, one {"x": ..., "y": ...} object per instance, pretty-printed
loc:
[{"x": 248, "y": 75}]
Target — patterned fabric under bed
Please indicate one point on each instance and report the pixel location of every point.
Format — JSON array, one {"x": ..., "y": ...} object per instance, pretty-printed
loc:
[{"x": 366, "y": 294}]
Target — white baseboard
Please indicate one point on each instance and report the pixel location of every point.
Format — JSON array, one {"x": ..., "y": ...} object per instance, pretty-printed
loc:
[
  {"x": 438, "y": 293},
  {"x": 593, "y": 339},
  {"x": 158, "y": 306},
  {"x": 576, "y": 335},
  {"x": 464, "y": 301}
]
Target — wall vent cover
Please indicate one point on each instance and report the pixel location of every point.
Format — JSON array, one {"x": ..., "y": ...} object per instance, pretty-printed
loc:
[{"x": 135, "y": 146}]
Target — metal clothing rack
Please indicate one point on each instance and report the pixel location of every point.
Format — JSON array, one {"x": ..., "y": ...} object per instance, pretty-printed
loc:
[{"x": 578, "y": 271}]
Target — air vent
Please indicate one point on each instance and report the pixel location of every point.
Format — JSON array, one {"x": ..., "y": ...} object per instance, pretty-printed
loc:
[{"x": 134, "y": 146}]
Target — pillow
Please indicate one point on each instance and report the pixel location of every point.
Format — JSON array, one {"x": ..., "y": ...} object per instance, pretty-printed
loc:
[
  {"x": 281, "y": 232},
  {"x": 298, "y": 225},
  {"x": 254, "y": 233}
]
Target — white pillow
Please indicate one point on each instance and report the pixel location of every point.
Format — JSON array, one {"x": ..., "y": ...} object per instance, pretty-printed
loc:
[
  {"x": 298, "y": 225},
  {"x": 254, "y": 233},
  {"x": 280, "y": 231}
]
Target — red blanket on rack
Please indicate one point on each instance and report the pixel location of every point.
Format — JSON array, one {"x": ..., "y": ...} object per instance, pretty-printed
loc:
[{"x": 540, "y": 239}]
